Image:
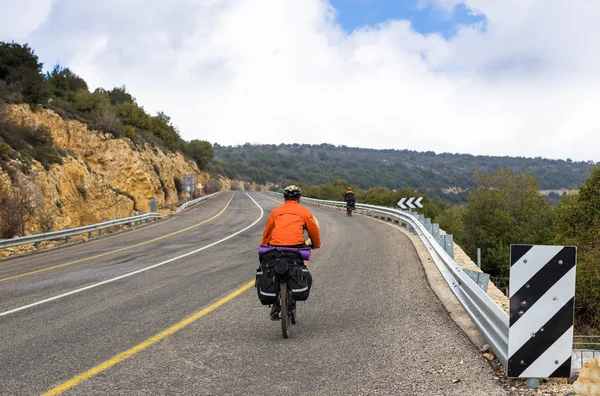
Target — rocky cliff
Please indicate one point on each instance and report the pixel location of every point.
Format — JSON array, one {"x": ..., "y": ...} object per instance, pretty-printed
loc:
[{"x": 102, "y": 177}]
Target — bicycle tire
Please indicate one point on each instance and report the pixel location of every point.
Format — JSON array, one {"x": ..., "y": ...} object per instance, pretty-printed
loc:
[{"x": 285, "y": 314}]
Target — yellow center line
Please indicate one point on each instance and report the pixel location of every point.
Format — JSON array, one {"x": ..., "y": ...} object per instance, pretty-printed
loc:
[
  {"x": 145, "y": 344},
  {"x": 121, "y": 249}
]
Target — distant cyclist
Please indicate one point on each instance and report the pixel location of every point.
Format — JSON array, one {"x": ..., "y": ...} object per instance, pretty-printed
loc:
[
  {"x": 285, "y": 227},
  {"x": 349, "y": 198}
]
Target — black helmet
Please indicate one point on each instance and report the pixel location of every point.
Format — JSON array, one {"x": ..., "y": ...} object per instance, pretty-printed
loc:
[{"x": 292, "y": 192}]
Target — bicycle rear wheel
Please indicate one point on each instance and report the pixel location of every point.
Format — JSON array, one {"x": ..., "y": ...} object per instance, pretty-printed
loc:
[{"x": 284, "y": 296}]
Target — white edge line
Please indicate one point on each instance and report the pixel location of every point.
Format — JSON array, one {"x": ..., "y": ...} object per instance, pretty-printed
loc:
[{"x": 134, "y": 272}]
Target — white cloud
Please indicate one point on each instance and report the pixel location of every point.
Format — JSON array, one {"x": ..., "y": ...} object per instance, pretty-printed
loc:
[
  {"x": 272, "y": 71},
  {"x": 19, "y": 21}
]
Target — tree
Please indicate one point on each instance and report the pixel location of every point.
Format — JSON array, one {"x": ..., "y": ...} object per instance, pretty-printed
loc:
[
  {"x": 119, "y": 95},
  {"x": 577, "y": 222},
  {"x": 505, "y": 209},
  {"x": 22, "y": 73},
  {"x": 65, "y": 83},
  {"x": 201, "y": 151},
  {"x": 451, "y": 220}
]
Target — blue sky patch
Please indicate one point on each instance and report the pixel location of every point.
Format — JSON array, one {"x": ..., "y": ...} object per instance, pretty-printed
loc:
[{"x": 352, "y": 14}]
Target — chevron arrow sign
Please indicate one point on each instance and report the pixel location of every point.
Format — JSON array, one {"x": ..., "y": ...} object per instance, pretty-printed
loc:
[{"x": 411, "y": 203}]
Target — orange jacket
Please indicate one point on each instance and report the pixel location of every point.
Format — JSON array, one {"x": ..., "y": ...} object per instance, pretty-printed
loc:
[{"x": 286, "y": 225}]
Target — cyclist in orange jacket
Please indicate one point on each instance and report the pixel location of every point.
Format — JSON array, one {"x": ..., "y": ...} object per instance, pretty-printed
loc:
[
  {"x": 285, "y": 227},
  {"x": 287, "y": 222}
]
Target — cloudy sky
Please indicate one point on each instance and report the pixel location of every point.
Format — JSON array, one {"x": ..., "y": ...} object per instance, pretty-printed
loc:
[{"x": 495, "y": 77}]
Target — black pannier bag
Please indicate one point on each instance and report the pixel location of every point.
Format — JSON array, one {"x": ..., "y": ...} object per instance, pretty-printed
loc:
[
  {"x": 267, "y": 286},
  {"x": 300, "y": 282}
]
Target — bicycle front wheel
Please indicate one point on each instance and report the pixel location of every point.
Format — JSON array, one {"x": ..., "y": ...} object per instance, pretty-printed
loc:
[{"x": 284, "y": 296}]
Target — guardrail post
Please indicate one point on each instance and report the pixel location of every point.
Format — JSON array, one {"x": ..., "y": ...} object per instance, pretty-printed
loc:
[
  {"x": 440, "y": 240},
  {"x": 36, "y": 245},
  {"x": 449, "y": 245},
  {"x": 89, "y": 235},
  {"x": 435, "y": 228},
  {"x": 428, "y": 225},
  {"x": 67, "y": 239},
  {"x": 533, "y": 383}
]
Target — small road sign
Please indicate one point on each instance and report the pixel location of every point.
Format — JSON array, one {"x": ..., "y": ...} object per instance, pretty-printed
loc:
[
  {"x": 411, "y": 203},
  {"x": 189, "y": 183}
]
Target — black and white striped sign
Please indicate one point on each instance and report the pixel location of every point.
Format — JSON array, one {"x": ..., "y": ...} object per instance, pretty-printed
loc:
[
  {"x": 411, "y": 203},
  {"x": 542, "y": 295}
]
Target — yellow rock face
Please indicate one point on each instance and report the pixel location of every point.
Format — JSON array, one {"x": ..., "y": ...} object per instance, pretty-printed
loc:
[
  {"x": 101, "y": 181},
  {"x": 588, "y": 383},
  {"x": 123, "y": 165}
]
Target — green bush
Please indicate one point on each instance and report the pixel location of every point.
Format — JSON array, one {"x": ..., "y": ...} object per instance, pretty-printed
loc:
[{"x": 26, "y": 143}]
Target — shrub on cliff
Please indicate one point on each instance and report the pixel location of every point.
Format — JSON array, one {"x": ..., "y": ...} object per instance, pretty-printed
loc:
[{"x": 24, "y": 143}]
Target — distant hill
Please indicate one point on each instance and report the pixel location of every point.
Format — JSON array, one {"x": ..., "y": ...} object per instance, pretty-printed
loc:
[{"x": 445, "y": 175}]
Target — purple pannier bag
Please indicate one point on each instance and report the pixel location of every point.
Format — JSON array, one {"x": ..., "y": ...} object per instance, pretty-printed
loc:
[{"x": 304, "y": 252}]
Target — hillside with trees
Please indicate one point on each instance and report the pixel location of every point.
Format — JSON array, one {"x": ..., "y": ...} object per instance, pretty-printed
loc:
[{"x": 446, "y": 176}]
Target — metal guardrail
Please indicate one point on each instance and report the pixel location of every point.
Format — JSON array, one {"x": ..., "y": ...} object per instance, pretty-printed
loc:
[
  {"x": 593, "y": 341},
  {"x": 197, "y": 200},
  {"x": 89, "y": 229},
  {"x": 491, "y": 320},
  {"x": 585, "y": 348},
  {"x": 69, "y": 232}
]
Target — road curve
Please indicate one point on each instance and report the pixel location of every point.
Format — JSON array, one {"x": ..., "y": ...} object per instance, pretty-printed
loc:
[{"x": 371, "y": 326}]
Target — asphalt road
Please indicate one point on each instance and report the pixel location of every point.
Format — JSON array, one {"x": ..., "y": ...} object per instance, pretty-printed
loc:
[{"x": 371, "y": 326}]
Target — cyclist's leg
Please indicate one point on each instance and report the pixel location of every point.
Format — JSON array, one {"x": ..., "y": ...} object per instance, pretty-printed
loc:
[{"x": 275, "y": 309}]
